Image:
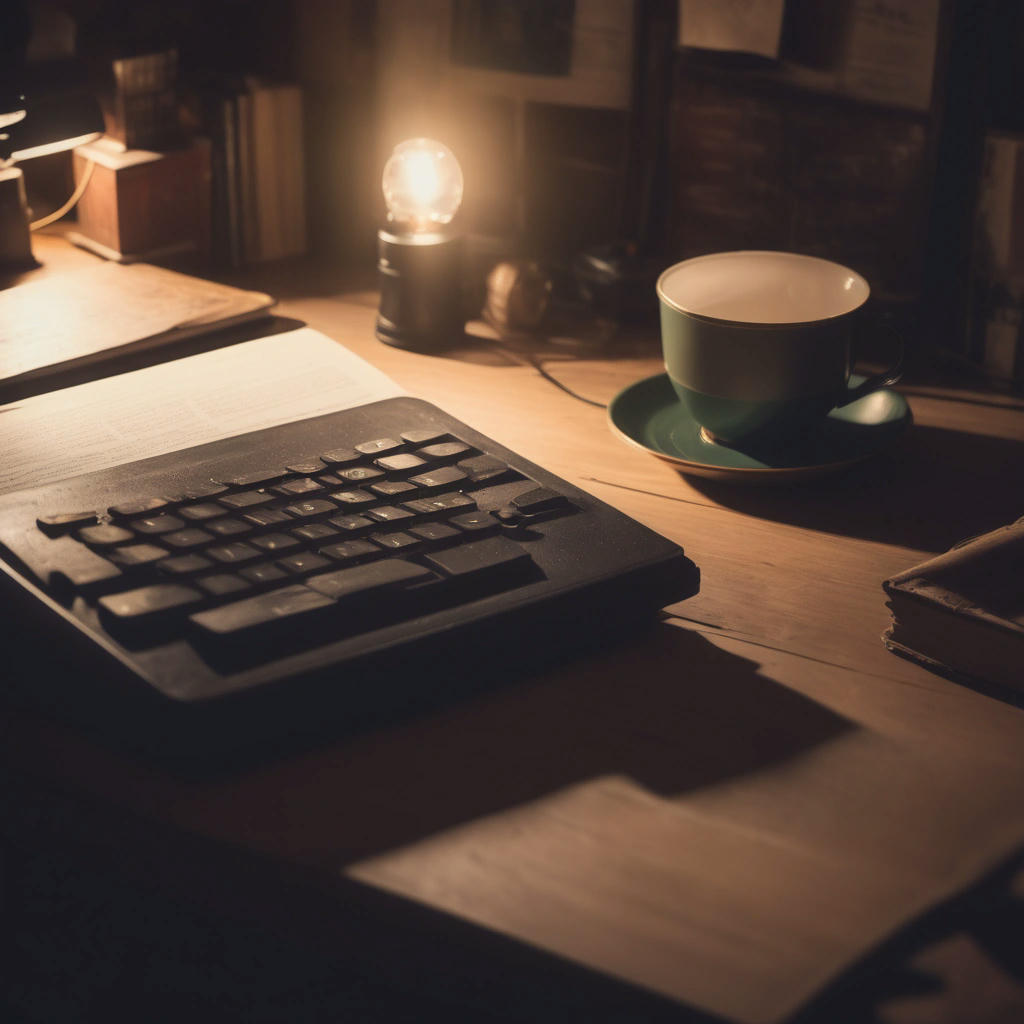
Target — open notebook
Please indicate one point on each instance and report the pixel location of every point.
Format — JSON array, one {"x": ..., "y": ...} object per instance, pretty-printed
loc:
[{"x": 52, "y": 328}]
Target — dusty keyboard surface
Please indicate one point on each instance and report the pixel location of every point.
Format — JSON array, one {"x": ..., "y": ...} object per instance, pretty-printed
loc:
[{"x": 284, "y": 555}]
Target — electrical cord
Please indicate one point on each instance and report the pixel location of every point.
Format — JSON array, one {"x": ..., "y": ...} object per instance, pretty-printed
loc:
[
  {"x": 80, "y": 188},
  {"x": 528, "y": 359}
]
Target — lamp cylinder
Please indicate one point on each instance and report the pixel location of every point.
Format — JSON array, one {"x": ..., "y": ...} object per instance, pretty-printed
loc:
[
  {"x": 421, "y": 302},
  {"x": 15, "y": 243}
]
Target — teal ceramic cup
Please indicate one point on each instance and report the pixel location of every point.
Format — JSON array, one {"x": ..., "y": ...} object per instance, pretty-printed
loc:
[{"x": 758, "y": 345}]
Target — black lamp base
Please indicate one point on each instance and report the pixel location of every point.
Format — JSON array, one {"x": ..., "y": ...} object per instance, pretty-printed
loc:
[
  {"x": 421, "y": 304},
  {"x": 15, "y": 241}
]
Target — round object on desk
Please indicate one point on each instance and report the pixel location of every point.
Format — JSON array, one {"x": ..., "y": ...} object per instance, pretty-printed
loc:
[
  {"x": 617, "y": 282},
  {"x": 517, "y": 295},
  {"x": 648, "y": 415}
]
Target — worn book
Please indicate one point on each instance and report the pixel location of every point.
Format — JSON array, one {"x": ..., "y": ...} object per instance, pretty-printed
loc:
[
  {"x": 962, "y": 613},
  {"x": 55, "y": 327}
]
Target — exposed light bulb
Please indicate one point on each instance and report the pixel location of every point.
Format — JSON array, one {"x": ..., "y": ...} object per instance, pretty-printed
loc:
[{"x": 422, "y": 184}]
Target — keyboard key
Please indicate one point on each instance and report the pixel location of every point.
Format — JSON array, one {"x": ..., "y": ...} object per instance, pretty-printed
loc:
[
  {"x": 201, "y": 512},
  {"x": 60, "y": 521},
  {"x": 223, "y": 584},
  {"x": 233, "y": 554},
  {"x": 540, "y": 499},
  {"x": 440, "y": 503},
  {"x": 275, "y": 542},
  {"x": 192, "y": 537},
  {"x": 330, "y": 480},
  {"x": 316, "y": 507},
  {"x": 137, "y": 508},
  {"x": 80, "y": 567},
  {"x": 444, "y": 450},
  {"x": 388, "y": 513},
  {"x": 381, "y": 444},
  {"x": 299, "y": 565},
  {"x": 184, "y": 565},
  {"x": 104, "y": 535},
  {"x": 263, "y": 575},
  {"x": 339, "y": 456},
  {"x": 285, "y": 603},
  {"x": 350, "y": 550},
  {"x": 293, "y": 488},
  {"x": 307, "y": 467},
  {"x": 157, "y": 524},
  {"x": 210, "y": 489},
  {"x": 434, "y": 531},
  {"x": 360, "y": 474},
  {"x": 146, "y": 602},
  {"x": 483, "y": 467},
  {"x": 358, "y": 581},
  {"x": 354, "y": 498},
  {"x": 491, "y": 556},
  {"x": 403, "y": 462},
  {"x": 228, "y": 527},
  {"x": 443, "y": 477},
  {"x": 399, "y": 540},
  {"x": 245, "y": 499},
  {"x": 351, "y": 524},
  {"x": 391, "y": 488},
  {"x": 133, "y": 556},
  {"x": 424, "y": 435},
  {"x": 475, "y": 522},
  {"x": 266, "y": 517},
  {"x": 315, "y": 531}
]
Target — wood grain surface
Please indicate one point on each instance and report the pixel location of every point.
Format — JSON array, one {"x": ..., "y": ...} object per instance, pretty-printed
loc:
[{"x": 725, "y": 815}]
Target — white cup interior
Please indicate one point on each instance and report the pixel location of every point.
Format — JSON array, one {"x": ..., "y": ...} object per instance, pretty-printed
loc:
[{"x": 763, "y": 287}]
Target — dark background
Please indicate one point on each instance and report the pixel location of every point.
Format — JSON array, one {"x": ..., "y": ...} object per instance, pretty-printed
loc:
[{"x": 887, "y": 190}]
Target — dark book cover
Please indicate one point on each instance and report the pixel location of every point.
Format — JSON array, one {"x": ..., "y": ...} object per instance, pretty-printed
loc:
[{"x": 962, "y": 613}]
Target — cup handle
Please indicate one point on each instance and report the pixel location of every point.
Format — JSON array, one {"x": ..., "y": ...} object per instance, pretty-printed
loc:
[{"x": 880, "y": 380}]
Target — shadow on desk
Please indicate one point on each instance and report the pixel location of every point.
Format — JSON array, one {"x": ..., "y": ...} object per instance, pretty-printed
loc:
[
  {"x": 673, "y": 713},
  {"x": 936, "y": 488},
  {"x": 569, "y": 338},
  {"x": 669, "y": 710},
  {"x": 125, "y": 920},
  {"x": 962, "y": 961}
]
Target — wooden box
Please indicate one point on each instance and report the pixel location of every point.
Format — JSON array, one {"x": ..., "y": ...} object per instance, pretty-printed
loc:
[{"x": 142, "y": 204}]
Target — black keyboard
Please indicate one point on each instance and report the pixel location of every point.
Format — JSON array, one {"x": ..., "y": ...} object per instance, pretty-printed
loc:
[{"x": 369, "y": 560}]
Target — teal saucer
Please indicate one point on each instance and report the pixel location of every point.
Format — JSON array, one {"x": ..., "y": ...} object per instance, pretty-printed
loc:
[{"x": 649, "y": 415}]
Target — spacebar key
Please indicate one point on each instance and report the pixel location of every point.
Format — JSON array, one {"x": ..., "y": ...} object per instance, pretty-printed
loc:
[
  {"x": 494, "y": 558},
  {"x": 288, "y": 603},
  {"x": 360, "y": 581}
]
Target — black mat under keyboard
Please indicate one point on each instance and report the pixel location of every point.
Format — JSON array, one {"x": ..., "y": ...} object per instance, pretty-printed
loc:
[{"x": 327, "y": 559}]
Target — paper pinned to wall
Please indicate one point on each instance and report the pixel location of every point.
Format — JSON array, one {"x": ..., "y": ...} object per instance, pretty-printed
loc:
[
  {"x": 890, "y": 53},
  {"x": 746, "y": 26}
]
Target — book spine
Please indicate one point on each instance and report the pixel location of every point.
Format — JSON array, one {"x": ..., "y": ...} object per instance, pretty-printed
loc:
[
  {"x": 266, "y": 149},
  {"x": 248, "y": 211},
  {"x": 229, "y": 114},
  {"x": 294, "y": 184}
]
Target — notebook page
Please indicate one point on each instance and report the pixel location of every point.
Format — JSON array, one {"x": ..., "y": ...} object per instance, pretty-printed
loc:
[{"x": 175, "y": 405}]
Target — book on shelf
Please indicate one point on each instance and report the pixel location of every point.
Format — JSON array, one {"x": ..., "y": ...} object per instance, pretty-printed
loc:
[
  {"x": 997, "y": 260},
  {"x": 256, "y": 132},
  {"x": 962, "y": 612}
]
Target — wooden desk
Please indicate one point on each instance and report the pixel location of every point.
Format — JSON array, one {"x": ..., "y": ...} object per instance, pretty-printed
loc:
[{"x": 748, "y": 783}]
